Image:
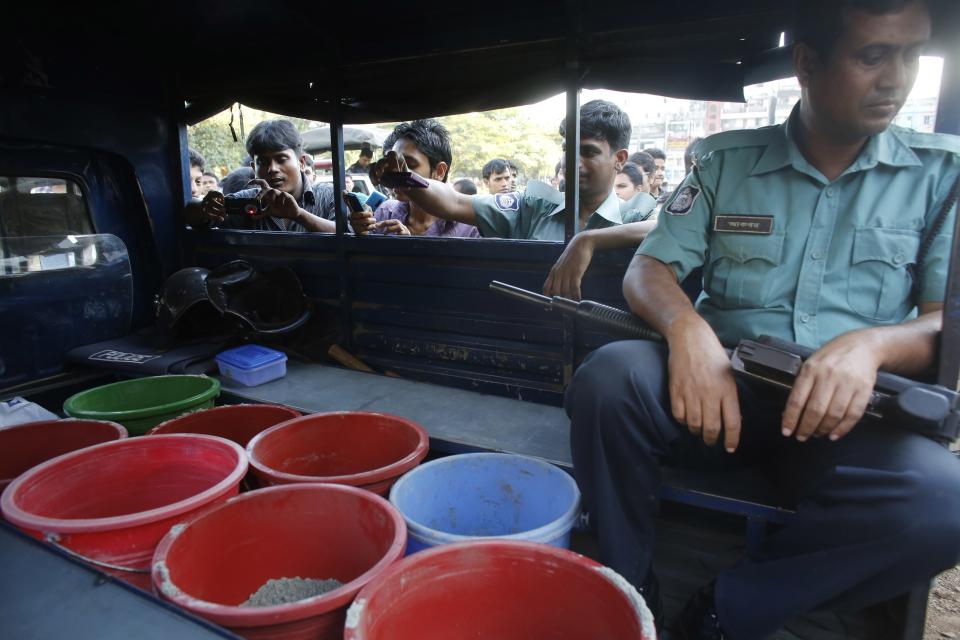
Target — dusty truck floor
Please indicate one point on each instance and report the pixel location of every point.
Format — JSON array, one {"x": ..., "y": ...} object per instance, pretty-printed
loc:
[
  {"x": 943, "y": 610},
  {"x": 693, "y": 546}
]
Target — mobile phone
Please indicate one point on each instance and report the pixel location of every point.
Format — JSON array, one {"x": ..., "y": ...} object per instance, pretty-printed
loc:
[
  {"x": 375, "y": 199},
  {"x": 353, "y": 201},
  {"x": 403, "y": 180},
  {"x": 247, "y": 207}
]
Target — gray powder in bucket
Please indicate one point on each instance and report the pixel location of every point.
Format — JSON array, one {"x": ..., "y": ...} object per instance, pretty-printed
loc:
[{"x": 287, "y": 590}]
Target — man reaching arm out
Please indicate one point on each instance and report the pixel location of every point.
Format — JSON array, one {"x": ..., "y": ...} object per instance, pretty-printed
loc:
[{"x": 605, "y": 133}]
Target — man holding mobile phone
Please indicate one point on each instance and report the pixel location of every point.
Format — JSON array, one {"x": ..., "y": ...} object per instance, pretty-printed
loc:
[
  {"x": 425, "y": 148},
  {"x": 287, "y": 198}
]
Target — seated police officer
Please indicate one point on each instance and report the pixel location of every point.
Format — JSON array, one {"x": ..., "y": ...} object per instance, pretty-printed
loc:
[
  {"x": 288, "y": 199},
  {"x": 605, "y": 134},
  {"x": 806, "y": 231}
]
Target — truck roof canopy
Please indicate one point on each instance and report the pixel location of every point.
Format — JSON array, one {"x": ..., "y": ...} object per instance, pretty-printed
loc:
[{"x": 395, "y": 61}]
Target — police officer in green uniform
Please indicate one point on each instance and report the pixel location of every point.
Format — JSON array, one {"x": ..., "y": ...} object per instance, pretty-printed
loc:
[
  {"x": 539, "y": 215},
  {"x": 809, "y": 231}
]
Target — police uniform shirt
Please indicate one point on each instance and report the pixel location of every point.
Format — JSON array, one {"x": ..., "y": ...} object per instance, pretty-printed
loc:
[
  {"x": 787, "y": 253},
  {"x": 525, "y": 216},
  {"x": 639, "y": 208},
  {"x": 317, "y": 198}
]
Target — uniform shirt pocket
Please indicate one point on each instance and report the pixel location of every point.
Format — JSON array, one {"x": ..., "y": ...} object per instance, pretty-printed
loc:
[
  {"x": 740, "y": 268},
  {"x": 879, "y": 284}
]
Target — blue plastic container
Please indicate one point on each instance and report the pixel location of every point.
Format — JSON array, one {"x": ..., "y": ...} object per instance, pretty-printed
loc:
[
  {"x": 486, "y": 495},
  {"x": 252, "y": 364}
]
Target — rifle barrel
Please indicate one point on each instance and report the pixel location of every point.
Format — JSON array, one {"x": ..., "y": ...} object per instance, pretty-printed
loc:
[{"x": 520, "y": 294}]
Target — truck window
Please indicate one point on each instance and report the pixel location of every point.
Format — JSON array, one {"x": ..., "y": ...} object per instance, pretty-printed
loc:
[
  {"x": 527, "y": 136},
  {"x": 38, "y": 206}
]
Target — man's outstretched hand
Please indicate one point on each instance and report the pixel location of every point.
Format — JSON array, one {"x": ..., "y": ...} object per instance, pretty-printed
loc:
[{"x": 391, "y": 162}]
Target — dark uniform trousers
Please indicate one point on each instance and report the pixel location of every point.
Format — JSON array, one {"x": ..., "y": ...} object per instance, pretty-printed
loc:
[{"x": 877, "y": 511}]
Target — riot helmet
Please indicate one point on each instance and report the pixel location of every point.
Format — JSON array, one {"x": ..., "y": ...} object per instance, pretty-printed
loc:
[
  {"x": 267, "y": 302},
  {"x": 182, "y": 307}
]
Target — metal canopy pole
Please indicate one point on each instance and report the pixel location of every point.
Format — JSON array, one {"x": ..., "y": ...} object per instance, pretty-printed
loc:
[
  {"x": 343, "y": 260},
  {"x": 948, "y": 121},
  {"x": 572, "y": 137},
  {"x": 571, "y": 170},
  {"x": 336, "y": 152}
]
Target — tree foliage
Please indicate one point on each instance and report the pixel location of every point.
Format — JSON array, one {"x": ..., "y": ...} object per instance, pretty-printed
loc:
[
  {"x": 476, "y": 138},
  {"x": 506, "y": 133}
]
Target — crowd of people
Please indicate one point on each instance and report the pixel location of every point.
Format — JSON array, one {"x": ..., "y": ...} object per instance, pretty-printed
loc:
[{"x": 291, "y": 199}]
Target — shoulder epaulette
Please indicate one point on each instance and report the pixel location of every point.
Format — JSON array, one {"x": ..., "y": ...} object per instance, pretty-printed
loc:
[
  {"x": 934, "y": 141},
  {"x": 738, "y": 138}
]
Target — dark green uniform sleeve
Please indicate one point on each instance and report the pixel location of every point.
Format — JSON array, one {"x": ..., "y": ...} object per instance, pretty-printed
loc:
[
  {"x": 508, "y": 215},
  {"x": 681, "y": 237}
]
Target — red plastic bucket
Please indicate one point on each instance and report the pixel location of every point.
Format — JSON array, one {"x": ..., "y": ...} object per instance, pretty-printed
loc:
[
  {"x": 366, "y": 450},
  {"x": 26, "y": 445},
  {"x": 237, "y": 422},
  {"x": 304, "y": 530},
  {"x": 110, "y": 504},
  {"x": 507, "y": 590}
]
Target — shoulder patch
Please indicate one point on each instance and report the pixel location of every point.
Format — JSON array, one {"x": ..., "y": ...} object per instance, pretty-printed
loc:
[
  {"x": 507, "y": 201},
  {"x": 683, "y": 201}
]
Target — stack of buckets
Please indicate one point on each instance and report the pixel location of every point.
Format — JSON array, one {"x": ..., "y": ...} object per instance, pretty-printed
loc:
[{"x": 470, "y": 524}]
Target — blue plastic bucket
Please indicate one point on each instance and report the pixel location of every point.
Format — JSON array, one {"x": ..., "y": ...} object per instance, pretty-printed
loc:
[{"x": 486, "y": 495}]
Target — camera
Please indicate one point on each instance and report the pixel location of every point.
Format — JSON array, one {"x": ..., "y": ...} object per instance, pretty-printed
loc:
[{"x": 246, "y": 207}]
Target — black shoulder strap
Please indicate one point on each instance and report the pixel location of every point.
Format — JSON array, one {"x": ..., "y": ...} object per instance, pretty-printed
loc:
[{"x": 928, "y": 239}]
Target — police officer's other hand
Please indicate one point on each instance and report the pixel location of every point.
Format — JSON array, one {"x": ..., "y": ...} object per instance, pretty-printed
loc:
[
  {"x": 274, "y": 202},
  {"x": 703, "y": 393},
  {"x": 393, "y": 226},
  {"x": 831, "y": 393},
  {"x": 567, "y": 272},
  {"x": 212, "y": 208}
]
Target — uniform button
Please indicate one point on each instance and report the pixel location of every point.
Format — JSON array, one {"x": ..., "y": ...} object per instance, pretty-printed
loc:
[
  {"x": 804, "y": 318},
  {"x": 830, "y": 192},
  {"x": 816, "y": 255},
  {"x": 897, "y": 259}
]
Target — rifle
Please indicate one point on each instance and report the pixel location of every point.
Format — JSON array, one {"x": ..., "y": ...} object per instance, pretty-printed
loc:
[
  {"x": 930, "y": 410},
  {"x": 617, "y": 320}
]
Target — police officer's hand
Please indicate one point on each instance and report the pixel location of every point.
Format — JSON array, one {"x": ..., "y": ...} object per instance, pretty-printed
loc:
[
  {"x": 274, "y": 202},
  {"x": 392, "y": 226},
  {"x": 831, "y": 393},
  {"x": 392, "y": 161},
  {"x": 567, "y": 272},
  {"x": 212, "y": 209},
  {"x": 703, "y": 393}
]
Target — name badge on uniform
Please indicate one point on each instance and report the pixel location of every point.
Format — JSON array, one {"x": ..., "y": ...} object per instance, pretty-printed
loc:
[{"x": 759, "y": 225}]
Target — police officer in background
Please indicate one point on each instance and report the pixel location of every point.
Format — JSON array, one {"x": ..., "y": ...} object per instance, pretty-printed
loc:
[
  {"x": 606, "y": 222},
  {"x": 806, "y": 231}
]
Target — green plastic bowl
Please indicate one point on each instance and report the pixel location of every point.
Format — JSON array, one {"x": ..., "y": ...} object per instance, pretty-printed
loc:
[{"x": 143, "y": 403}]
